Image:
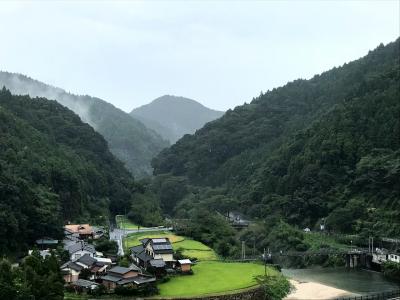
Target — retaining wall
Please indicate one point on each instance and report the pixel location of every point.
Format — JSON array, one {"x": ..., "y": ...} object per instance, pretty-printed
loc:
[{"x": 250, "y": 294}]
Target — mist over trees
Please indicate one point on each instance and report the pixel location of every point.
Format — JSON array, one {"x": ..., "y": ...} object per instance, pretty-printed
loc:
[{"x": 129, "y": 140}]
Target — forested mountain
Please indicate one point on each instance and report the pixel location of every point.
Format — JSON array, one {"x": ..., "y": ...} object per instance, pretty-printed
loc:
[
  {"x": 128, "y": 139},
  {"x": 324, "y": 148},
  {"x": 173, "y": 117},
  {"x": 53, "y": 168}
]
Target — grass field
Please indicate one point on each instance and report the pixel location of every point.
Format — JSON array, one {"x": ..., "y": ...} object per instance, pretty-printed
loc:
[
  {"x": 190, "y": 247},
  {"x": 124, "y": 222},
  {"x": 213, "y": 277}
]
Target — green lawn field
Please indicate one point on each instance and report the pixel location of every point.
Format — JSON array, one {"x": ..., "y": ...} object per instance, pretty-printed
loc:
[
  {"x": 191, "y": 248},
  {"x": 212, "y": 277},
  {"x": 124, "y": 223}
]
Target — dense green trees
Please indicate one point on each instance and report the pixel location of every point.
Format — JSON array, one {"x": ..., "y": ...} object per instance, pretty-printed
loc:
[
  {"x": 35, "y": 278},
  {"x": 53, "y": 168},
  {"x": 324, "y": 148}
]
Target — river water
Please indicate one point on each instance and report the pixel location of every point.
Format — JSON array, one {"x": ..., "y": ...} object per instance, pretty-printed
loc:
[{"x": 355, "y": 281}]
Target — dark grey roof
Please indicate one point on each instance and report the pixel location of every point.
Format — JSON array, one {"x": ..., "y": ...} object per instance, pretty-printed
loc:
[
  {"x": 143, "y": 256},
  {"x": 84, "y": 283},
  {"x": 72, "y": 266},
  {"x": 157, "y": 263},
  {"x": 144, "y": 241},
  {"x": 159, "y": 245},
  {"x": 163, "y": 249},
  {"x": 120, "y": 270},
  {"x": 137, "y": 280},
  {"x": 86, "y": 260},
  {"x": 80, "y": 245},
  {"x": 144, "y": 279},
  {"x": 137, "y": 249}
]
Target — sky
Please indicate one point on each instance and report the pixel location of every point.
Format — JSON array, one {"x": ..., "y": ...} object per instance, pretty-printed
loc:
[{"x": 220, "y": 53}]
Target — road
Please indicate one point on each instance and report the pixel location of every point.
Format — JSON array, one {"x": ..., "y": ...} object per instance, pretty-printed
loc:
[{"x": 118, "y": 235}]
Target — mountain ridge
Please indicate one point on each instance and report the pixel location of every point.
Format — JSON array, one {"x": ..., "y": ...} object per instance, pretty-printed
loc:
[
  {"x": 305, "y": 152},
  {"x": 174, "y": 116}
]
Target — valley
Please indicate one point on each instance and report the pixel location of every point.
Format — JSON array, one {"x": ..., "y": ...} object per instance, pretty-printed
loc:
[{"x": 294, "y": 195}]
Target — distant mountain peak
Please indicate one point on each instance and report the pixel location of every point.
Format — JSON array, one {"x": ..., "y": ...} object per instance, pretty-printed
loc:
[{"x": 174, "y": 116}]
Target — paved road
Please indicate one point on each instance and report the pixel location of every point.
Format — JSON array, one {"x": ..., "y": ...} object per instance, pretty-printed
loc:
[{"x": 118, "y": 235}]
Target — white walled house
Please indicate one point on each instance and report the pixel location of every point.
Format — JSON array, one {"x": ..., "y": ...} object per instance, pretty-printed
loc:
[
  {"x": 160, "y": 248},
  {"x": 79, "y": 249},
  {"x": 394, "y": 258}
]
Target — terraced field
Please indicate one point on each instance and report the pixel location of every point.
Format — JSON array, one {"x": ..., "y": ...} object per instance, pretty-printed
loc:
[{"x": 213, "y": 277}]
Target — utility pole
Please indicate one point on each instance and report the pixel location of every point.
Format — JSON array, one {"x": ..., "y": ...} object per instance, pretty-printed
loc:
[
  {"x": 371, "y": 244},
  {"x": 243, "y": 251},
  {"x": 265, "y": 263}
]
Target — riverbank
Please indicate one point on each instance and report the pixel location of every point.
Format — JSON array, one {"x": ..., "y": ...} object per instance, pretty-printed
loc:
[{"x": 313, "y": 290}]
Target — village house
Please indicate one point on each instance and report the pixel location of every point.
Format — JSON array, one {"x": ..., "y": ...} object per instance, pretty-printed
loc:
[
  {"x": 394, "y": 258},
  {"x": 153, "y": 250},
  {"x": 78, "y": 249},
  {"x": 84, "y": 231},
  {"x": 127, "y": 277},
  {"x": 70, "y": 271},
  {"x": 96, "y": 265},
  {"x": 157, "y": 267}
]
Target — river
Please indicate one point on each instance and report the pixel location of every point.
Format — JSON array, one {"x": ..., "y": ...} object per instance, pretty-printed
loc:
[{"x": 355, "y": 281}]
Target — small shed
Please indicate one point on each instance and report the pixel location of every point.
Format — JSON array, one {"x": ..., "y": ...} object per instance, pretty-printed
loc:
[{"x": 185, "y": 265}]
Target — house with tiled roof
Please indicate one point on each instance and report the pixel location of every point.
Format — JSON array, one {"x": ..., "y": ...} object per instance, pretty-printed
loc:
[
  {"x": 127, "y": 277},
  {"x": 70, "y": 271},
  {"x": 153, "y": 252},
  {"x": 76, "y": 249}
]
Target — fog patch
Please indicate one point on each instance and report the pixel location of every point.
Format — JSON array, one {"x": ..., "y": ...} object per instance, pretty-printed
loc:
[{"x": 23, "y": 85}]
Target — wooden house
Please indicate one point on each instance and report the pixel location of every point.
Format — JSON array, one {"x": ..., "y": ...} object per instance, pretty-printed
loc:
[{"x": 185, "y": 265}]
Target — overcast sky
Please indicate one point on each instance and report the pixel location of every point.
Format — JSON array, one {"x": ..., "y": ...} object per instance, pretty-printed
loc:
[{"x": 221, "y": 54}]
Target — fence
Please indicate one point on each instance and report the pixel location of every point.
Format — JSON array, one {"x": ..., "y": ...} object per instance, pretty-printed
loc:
[{"x": 375, "y": 296}]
